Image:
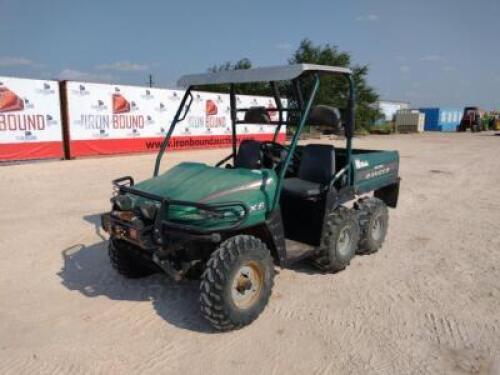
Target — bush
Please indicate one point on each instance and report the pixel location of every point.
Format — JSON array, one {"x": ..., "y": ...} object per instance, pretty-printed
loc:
[
  {"x": 386, "y": 128},
  {"x": 361, "y": 132}
]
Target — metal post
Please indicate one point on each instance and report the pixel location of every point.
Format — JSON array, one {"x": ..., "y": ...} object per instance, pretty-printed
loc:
[
  {"x": 349, "y": 130},
  {"x": 232, "y": 101},
  {"x": 164, "y": 145},
  {"x": 295, "y": 139}
]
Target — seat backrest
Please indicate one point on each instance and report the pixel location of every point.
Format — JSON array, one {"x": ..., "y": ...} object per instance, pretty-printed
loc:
[
  {"x": 249, "y": 155},
  {"x": 317, "y": 164},
  {"x": 324, "y": 115},
  {"x": 257, "y": 115}
]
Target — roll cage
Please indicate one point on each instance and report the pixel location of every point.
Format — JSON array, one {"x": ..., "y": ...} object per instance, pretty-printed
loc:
[{"x": 296, "y": 74}]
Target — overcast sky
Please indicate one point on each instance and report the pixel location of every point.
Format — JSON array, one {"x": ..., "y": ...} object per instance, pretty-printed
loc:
[{"x": 439, "y": 53}]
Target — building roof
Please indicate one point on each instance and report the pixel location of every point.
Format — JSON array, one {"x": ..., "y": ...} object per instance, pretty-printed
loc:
[{"x": 392, "y": 101}]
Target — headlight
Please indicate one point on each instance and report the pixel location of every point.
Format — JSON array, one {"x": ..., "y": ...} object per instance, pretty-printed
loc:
[
  {"x": 149, "y": 211},
  {"x": 210, "y": 214},
  {"x": 123, "y": 202}
]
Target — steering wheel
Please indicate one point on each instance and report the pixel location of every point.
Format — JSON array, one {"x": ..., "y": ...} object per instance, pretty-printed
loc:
[{"x": 273, "y": 153}]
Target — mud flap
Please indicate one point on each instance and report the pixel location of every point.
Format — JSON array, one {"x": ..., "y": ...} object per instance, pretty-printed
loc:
[
  {"x": 389, "y": 194},
  {"x": 274, "y": 225}
]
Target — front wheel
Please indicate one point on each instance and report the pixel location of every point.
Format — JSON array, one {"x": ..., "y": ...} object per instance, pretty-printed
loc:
[
  {"x": 237, "y": 283},
  {"x": 128, "y": 261}
]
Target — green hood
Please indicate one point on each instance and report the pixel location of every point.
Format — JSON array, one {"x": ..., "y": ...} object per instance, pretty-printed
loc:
[{"x": 200, "y": 183}]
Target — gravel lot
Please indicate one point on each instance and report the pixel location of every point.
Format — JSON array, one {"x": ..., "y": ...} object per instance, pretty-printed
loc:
[{"x": 427, "y": 303}]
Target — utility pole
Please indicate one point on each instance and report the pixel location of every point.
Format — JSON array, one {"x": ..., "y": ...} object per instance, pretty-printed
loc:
[{"x": 150, "y": 80}]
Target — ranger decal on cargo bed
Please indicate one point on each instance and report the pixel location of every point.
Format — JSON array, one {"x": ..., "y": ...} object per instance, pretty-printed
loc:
[{"x": 378, "y": 170}]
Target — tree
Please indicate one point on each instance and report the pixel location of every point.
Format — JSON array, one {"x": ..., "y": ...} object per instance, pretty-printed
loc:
[{"x": 333, "y": 89}]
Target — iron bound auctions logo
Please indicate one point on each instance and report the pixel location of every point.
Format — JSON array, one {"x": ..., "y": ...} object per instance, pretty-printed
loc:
[
  {"x": 210, "y": 108},
  {"x": 120, "y": 104},
  {"x": 211, "y": 118},
  {"x": 121, "y": 118},
  {"x": 10, "y": 101}
]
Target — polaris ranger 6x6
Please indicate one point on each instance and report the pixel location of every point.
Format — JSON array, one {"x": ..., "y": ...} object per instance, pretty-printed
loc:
[{"x": 266, "y": 204}]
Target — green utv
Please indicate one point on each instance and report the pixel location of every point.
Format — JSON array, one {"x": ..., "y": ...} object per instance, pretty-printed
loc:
[{"x": 274, "y": 205}]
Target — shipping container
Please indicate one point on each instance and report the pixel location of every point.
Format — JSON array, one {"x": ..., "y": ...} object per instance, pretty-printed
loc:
[
  {"x": 442, "y": 119},
  {"x": 409, "y": 121}
]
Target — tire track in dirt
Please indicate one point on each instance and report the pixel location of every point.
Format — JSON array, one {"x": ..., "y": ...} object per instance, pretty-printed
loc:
[
  {"x": 30, "y": 364},
  {"x": 158, "y": 359}
]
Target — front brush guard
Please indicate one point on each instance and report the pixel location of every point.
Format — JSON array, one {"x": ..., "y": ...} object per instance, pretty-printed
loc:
[{"x": 124, "y": 185}]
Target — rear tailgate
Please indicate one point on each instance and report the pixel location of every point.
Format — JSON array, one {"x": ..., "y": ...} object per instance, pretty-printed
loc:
[{"x": 374, "y": 169}]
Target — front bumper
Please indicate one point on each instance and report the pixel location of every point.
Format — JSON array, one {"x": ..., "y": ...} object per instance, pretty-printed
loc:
[
  {"x": 148, "y": 237},
  {"x": 128, "y": 230}
]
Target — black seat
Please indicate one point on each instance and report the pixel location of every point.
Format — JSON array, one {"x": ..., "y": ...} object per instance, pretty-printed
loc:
[
  {"x": 315, "y": 171},
  {"x": 249, "y": 155}
]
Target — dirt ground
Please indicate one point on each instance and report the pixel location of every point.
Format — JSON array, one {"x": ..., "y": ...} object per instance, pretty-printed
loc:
[{"x": 427, "y": 303}]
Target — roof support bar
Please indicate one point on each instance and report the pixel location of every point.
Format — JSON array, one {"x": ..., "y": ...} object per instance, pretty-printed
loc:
[
  {"x": 279, "y": 106},
  {"x": 349, "y": 129},
  {"x": 177, "y": 118},
  {"x": 232, "y": 103},
  {"x": 295, "y": 139}
]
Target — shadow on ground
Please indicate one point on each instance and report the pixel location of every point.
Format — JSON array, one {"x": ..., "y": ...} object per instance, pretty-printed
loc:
[
  {"x": 306, "y": 267},
  {"x": 86, "y": 269}
]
